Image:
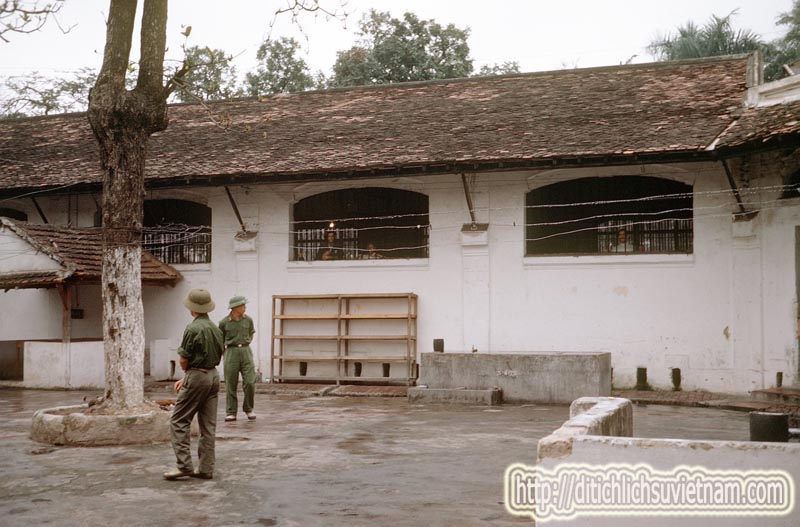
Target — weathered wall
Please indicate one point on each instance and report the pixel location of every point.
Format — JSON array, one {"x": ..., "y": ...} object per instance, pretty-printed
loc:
[
  {"x": 58, "y": 365},
  {"x": 725, "y": 315},
  {"x": 550, "y": 378}
]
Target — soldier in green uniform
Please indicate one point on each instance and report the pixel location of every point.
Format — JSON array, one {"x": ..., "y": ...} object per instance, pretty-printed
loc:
[
  {"x": 238, "y": 329},
  {"x": 200, "y": 352}
]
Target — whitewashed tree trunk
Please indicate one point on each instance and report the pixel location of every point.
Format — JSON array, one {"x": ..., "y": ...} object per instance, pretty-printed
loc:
[{"x": 123, "y": 326}]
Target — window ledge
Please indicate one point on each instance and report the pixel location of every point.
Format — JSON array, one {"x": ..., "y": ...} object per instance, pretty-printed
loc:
[
  {"x": 192, "y": 268},
  {"x": 407, "y": 264},
  {"x": 611, "y": 260}
]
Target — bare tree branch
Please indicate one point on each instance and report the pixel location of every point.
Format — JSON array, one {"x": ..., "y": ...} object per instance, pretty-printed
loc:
[{"x": 21, "y": 16}]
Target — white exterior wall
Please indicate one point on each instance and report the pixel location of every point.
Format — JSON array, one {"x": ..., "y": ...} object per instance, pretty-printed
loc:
[
  {"x": 726, "y": 315},
  {"x": 58, "y": 365}
]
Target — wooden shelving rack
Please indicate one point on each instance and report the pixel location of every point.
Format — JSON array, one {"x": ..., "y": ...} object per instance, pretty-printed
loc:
[{"x": 321, "y": 312}]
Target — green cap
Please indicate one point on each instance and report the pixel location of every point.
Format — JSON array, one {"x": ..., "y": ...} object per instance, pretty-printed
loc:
[{"x": 237, "y": 301}]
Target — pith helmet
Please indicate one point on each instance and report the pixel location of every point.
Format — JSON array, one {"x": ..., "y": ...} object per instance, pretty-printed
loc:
[
  {"x": 199, "y": 301},
  {"x": 237, "y": 301}
]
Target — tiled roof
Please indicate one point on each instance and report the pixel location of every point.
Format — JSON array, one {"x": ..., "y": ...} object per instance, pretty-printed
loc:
[
  {"x": 642, "y": 109},
  {"x": 34, "y": 279},
  {"x": 762, "y": 125},
  {"x": 79, "y": 251}
]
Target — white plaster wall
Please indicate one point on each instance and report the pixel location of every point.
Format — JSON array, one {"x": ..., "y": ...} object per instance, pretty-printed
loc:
[
  {"x": 57, "y": 365},
  {"x": 17, "y": 255},
  {"x": 86, "y": 368},
  {"x": 653, "y": 311},
  {"x": 780, "y": 311},
  {"x": 726, "y": 315},
  {"x": 45, "y": 365}
]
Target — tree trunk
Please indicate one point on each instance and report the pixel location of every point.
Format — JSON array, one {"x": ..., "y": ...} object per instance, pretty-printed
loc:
[
  {"x": 122, "y": 121},
  {"x": 123, "y": 313}
]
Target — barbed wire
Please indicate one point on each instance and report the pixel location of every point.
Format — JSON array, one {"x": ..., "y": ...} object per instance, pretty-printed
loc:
[{"x": 154, "y": 247}]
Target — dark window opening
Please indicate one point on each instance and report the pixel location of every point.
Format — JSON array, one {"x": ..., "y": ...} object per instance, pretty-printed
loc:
[
  {"x": 613, "y": 215},
  {"x": 791, "y": 186},
  {"x": 13, "y": 214},
  {"x": 362, "y": 223},
  {"x": 177, "y": 231}
]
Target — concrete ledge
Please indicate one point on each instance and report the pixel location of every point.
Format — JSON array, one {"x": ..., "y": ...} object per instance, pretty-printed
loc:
[
  {"x": 490, "y": 397},
  {"x": 537, "y": 377},
  {"x": 603, "y": 416},
  {"x": 69, "y": 425}
]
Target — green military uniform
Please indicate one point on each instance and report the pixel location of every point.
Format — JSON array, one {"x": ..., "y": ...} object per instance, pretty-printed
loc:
[
  {"x": 202, "y": 347},
  {"x": 238, "y": 358}
]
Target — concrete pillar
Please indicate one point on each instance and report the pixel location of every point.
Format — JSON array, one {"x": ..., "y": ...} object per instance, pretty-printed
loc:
[
  {"x": 245, "y": 247},
  {"x": 747, "y": 306},
  {"x": 475, "y": 286}
]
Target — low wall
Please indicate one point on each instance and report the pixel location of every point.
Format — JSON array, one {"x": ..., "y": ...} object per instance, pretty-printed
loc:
[
  {"x": 53, "y": 364},
  {"x": 604, "y": 416},
  {"x": 165, "y": 362},
  {"x": 597, "y": 434},
  {"x": 546, "y": 377}
]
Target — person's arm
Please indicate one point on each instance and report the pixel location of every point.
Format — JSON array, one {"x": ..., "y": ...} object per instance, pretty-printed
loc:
[
  {"x": 252, "y": 328},
  {"x": 222, "y": 329},
  {"x": 184, "y": 351}
]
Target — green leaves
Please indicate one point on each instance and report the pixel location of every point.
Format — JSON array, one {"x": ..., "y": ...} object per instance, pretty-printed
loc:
[
  {"x": 211, "y": 75},
  {"x": 402, "y": 50},
  {"x": 719, "y": 37},
  {"x": 280, "y": 70},
  {"x": 716, "y": 37}
]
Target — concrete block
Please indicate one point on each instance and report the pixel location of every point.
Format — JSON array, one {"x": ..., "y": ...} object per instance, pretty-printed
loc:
[
  {"x": 490, "y": 397},
  {"x": 548, "y": 377}
]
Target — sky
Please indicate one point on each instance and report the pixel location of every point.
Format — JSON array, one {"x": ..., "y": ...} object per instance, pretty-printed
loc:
[{"x": 539, "y": 35}]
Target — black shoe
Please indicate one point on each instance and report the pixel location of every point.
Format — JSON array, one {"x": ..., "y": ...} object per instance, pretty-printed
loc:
[
  {"x": 202, "y": 475},
  {"x": 176, "y": 474}
]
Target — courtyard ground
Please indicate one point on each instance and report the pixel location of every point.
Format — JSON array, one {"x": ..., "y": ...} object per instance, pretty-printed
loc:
[{"x": 306, "y": 461}]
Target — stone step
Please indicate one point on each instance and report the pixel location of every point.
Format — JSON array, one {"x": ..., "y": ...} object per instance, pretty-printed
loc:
[{"x": 777, "y": 395}]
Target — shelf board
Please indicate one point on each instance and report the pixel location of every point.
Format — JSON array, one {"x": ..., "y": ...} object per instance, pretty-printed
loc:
[
  {"x": 306, "y": 337},
  {"x": 344, "y": 317},
  {"x": 344, "y": 337},
  {"x": 378, "y": 337},
  {"x": 378, "y": 317},
  {"x": 351, "y": 358},
  {"x": 389, "y": 380},
  {"x": 306, "y": 317},
  {"x": 300, "y": 358},
  {"x": 370, "y": 358},
  {"x": 344, "y": 296}
]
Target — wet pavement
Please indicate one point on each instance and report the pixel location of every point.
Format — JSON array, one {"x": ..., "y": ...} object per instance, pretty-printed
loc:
[{"x": 305, "y": 461}]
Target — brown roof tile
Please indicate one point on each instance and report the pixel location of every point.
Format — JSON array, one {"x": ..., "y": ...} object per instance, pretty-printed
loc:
[
  {"x": 34, "y": 279},
  {"x": 674, "y": 107},
  {"x": 79, "y": 251},
  {"x": 762, "y": 125}
]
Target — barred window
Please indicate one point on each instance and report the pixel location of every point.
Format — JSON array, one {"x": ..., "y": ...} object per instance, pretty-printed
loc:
[
  {"x": 612, "y": 215},
  {"x": 361, "y": 223},
  {"x": 177, "y": 231}
]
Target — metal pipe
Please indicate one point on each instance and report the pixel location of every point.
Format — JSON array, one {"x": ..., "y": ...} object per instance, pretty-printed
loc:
[
  {"x": 235, "y": 209},
  {"x": 469, "y": 197},
  {"x": 732, "y": 182},
  {"x": 39, "y": 210}
]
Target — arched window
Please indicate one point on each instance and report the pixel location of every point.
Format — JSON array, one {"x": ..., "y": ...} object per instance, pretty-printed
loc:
[
  {"x": 611, "y": 215},
  {"x": 361, "y": 223},
  {"x": 177, "y": 231},
  {"x": 13, "y": 214}
]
